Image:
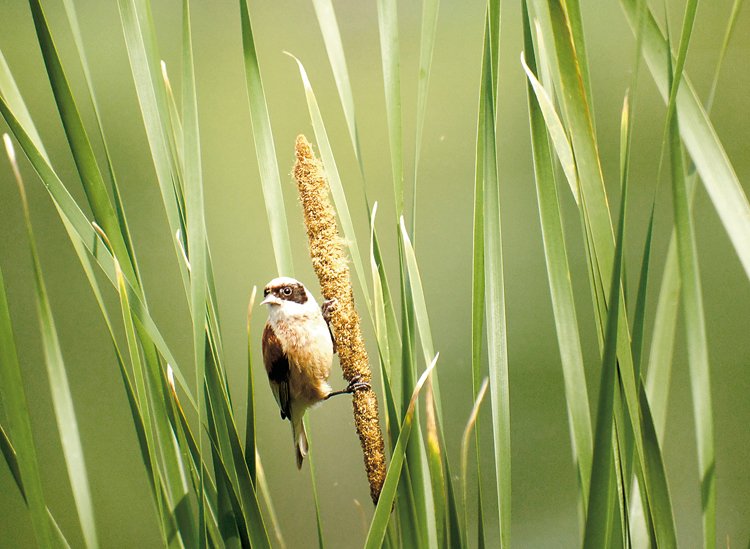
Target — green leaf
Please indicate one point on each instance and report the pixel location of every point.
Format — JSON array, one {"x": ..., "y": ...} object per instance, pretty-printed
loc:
[
  {"x": 334, "y": 180},
  {"x": 559, "y": 277},
  {"x": 390, "y": 57},
  {"x": 335, "y": 49},
  {"x": 379, "y": 522},
  {"x": 77, "y": 224},
  {"x": 700, "y": 139},
  {"x": 19, "y": 425},
  {"x": 495, "y": 292},
  {"x": 692, "y": 301},
  {"x": 110, "y": 217},
  {"x": 465, "y": 442},
  {"x": 430, "y": 10},
  {"x": 265, "y": 150},
  {"x": 62, "y": 399},
  {"x": 600, "y": 512},
  {"x": 140, "y": 41}
]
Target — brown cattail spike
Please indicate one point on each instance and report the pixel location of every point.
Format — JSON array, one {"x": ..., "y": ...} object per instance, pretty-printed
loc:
[{"x": 332, "y": 268}]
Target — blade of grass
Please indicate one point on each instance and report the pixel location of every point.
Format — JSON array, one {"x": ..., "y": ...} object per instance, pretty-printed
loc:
[
  {"x": 196, "y": 232},
  {"x": 430, "y": 9},
  {"x": 266, "y": 493},
  {"x": 80, "y": 145},
  {"x": 376, "y": 533},
  {"x": 335, "y": 49},
  {"x": 316, "y": 502},
  {"x": 334, "y": 180},
  {"x": 561, "y": 289},
  {"x": 265, "y": 150},
  {"x": 77, "y": 224},
  {"x": 465, "y": 442},
  {"x": 390, "y": 56},
  {"x": 62, "y": 399},
  {"x": 19, "y": 425},
  {"x": 695, "y": 327},
  {"x": 600, "y": 511},
  {"x": 495, "y": 298},
  {"x": 9, "y": 453},
  {"x": 140, "y": 41},
  {"x": 250, "y": 443},
  {"x": 700, "y": 139}
]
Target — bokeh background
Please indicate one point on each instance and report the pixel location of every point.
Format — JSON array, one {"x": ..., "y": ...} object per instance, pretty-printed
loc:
[{"x": 544, "y": 482}]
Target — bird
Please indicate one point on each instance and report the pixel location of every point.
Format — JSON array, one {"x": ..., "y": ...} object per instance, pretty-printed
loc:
[{"x": 298, "y": 348}]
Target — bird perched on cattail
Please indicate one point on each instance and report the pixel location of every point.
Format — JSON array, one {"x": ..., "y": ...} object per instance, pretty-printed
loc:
[{"x": 298, "y": 349}]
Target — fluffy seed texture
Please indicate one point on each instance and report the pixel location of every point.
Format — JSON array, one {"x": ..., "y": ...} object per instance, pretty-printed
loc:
[{"x": 331, "y": 267}]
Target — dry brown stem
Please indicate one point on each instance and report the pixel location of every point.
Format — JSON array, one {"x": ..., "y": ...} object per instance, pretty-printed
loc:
[{"x": 332, "y": 268}]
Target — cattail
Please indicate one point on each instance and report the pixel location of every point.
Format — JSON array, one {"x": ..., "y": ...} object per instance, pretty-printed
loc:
[{"x": 332, "y": 268}]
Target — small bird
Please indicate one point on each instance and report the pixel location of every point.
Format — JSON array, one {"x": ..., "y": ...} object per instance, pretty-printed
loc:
[{"x": 298, "y": 348}]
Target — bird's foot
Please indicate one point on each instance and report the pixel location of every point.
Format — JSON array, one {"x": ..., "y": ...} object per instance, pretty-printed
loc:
[
  {"x": 327, "y": 308},
  {"x": 356, "y": 384}
]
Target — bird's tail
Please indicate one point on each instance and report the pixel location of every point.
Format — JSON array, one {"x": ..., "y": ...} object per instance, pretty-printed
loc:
[{"x": 300, "y": 440}]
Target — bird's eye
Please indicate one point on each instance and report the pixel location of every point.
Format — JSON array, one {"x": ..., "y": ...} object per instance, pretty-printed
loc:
[
  {"x": 265, "y": 292},
  {"x": 287, "y": 291}
]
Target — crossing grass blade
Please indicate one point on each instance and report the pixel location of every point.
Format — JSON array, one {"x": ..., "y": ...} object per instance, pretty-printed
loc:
[
  {"x": 140, "y": 41},
  {"x": 13, "y": 397},
  {"x": 692, "y": 299},
  {"x": 80, "y": 145},
  {"x": 265, "y": 150},
  {"x": 700, "y": 139},
  {"x": 62, "y": 399},
  {"x": 78, "y": 225},
  {"x": 9, "y": 453},
  {"x": 600, "y": 513},
  {"x": 495, "y": 292},
  {"x": 559, "y": 277},
  {"x": 334, "y": 180},
  {"x": 379, "y": 523},
  {"x": 329, "y": 28}
]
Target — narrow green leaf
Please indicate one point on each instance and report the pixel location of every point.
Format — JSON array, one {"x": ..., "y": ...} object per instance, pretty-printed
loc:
[
  {"x": 266, "y": 493},
  {"x": 376, "y": 533},
  {"x": 9, "y": 453},
  {"x": 334, "y": 180},
  {"x": 558, "y": 272},
  {"x": 329, "y": 28},
  {"x": 140, "y": 41},
  {"x": 313, "y": 484},
  {"x": 196, "y": 230},
  {"x": 390, "y": 57},
  {"x": 465, "y": 442},
  {"x": 430, "y": 10},
  {"x": 600, "y": 513},
  {"x": 495, "y": 293},
  {"x": 700, "y": 139},
  {"x": 731, "y": 24},
  {"x": 250, "y": 444},
  {"x": 265, "y": 150},
  {"x": 62, "y": 399},
  {"x": 77, "y": 224},
  {"x": 695, "y": 324},
  {"x": 16, "y": 411}
]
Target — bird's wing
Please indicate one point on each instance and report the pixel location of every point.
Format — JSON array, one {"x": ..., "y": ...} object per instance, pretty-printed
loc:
[{"x": 277, "y": 368}]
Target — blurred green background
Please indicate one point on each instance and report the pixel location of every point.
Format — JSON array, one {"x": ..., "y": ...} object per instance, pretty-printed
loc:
[{"x": 544, "y": 482}]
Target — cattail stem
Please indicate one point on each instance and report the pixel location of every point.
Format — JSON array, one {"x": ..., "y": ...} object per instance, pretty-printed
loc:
[{"x": 332, "y": 268}]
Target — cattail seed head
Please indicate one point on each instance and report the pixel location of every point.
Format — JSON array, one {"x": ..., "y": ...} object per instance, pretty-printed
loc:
[{"x": 332, "y": 269}]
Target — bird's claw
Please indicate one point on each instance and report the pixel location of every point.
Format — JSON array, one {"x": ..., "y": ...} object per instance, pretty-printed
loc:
[
  {"x": 327, "y": 308},
  {"x": 356, "y": 384}
]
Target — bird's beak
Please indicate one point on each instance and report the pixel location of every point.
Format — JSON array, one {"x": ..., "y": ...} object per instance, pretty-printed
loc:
[{"x": 271, "y": 300}]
